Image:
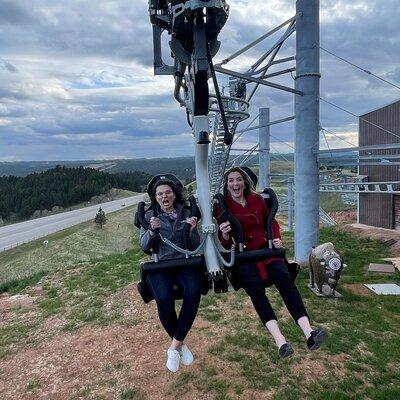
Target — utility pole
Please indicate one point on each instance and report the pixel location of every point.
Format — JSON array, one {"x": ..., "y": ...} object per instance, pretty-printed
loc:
[
  {"x": 307, "y": 128},
  {"x": 264, "y": 146}
]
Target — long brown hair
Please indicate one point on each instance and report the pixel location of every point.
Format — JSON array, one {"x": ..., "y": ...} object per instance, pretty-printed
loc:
[{"x": 248, "y": 184}]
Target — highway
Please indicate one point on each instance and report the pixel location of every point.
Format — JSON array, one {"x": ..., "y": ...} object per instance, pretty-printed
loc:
[{"x": 24, "y": 232}]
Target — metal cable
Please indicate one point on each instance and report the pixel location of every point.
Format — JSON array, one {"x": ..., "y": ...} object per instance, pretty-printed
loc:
[
  {"x": 279, "y": 140},
  {"x": 326, "y": 141},
  {"x": 184, "y": 251},
  {"x": 279, "y": 154},
  {"x": 360, "y": 68},
  {"x": 337, "y": 136},
  {"x": 247, "y": 127},
  {"x": 363, "y": 119},
  {"x": 225, "y": 263}
]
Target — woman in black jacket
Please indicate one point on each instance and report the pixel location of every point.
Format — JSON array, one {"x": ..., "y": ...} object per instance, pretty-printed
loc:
[{"x": 171, "y": 216}]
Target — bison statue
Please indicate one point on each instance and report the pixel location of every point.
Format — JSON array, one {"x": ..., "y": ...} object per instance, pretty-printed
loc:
[{"x": 326, "y": 265}]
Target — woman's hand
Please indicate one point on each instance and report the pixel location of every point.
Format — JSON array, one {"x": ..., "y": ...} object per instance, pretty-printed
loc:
[
  {"x": 225, "y": 228},
  {"x": 155, "y": 223},
  {"x": 192, "y": 221},
  {"x": 277, "y": 243}
]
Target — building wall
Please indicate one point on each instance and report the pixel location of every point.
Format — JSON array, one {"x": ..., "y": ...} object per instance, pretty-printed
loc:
[{"x": 378, "y": 210}]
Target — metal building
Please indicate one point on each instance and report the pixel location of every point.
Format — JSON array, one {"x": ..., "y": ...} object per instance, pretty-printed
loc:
[{"x": 380, "y": 126}]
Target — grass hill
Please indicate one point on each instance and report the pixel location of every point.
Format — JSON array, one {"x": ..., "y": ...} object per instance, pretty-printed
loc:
[
  {"x": 77, "y": 329},
  {"x": 60, "y": 187}
]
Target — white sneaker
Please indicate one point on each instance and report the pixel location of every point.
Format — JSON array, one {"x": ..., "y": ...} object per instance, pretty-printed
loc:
[
  {"x": 186, "y": 355},
  {"x": 173, "y": 360}
]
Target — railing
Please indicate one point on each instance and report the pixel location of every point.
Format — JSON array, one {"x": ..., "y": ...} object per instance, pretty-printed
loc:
[
  {"x": 362, "y": 187},
  {"x": 235, "y": 112}
]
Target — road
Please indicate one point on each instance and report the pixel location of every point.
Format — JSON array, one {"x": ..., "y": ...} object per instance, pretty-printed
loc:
[{"x": 24, "y": 232}]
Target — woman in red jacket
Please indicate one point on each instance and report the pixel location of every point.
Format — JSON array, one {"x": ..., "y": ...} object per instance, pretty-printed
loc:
[{"x": 251, "y": 210}]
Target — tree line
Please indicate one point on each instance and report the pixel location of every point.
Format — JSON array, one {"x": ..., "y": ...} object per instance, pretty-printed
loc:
[{"x": 61, "y": 186}]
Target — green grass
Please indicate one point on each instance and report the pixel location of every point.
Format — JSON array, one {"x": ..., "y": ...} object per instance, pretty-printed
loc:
[
  {"x": 13, "y": 334},
  {"x": 27, "y": 263},
  {"x": 359, "y": 361},
  {"x": 333, "y": 202},
  {"x": 32, "y": 385},
  {"x": 81, "y": 296},
  {"x": 132, "y": 394}
]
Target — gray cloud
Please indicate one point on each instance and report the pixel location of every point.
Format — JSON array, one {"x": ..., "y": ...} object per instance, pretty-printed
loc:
[
  {"x": 78, "y": 75},
  {"x": 14, "y": 12},
  {"x": 7, "y": 66}
]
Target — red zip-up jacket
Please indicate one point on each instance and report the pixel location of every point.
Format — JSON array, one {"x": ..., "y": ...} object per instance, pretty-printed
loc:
[{"x": 252, "y": 217}]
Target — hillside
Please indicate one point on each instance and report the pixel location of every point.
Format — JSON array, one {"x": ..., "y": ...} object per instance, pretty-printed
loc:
[
  {"x": 60, "y": 187},
  {"x": 183, "y": 167},
  {"x": 81, "y": 331}
]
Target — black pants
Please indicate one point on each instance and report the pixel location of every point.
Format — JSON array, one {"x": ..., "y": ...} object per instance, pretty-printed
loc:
[
  {"x": 162, "y": 283},
  {"x": 248, "y": 276}
]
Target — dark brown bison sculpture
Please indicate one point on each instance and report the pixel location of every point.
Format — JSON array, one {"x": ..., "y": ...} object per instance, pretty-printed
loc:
[{"x": 326, "y": 265}]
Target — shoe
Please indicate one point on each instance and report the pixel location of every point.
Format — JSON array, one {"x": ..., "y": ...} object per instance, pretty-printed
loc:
[
  {"x": 186, "y": 355},
  {"x": 317, "y": 338},
  {"x": 286, "y": 350},
  {"x": 173, "y": 359}
]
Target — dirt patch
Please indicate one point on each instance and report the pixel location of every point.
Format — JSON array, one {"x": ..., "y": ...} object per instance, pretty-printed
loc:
[
  {"x": 309, "y": 368},
  {"x": 312, "y": 369},
  {"x": 357, "y": 288},
  {"x": 344, "y": 216},
  {"x": 106, "y": 362},
  {"x": 375, "y": 233},
  {"x": 103, "y": 362},
  {"x": 15, "y": 302},
  {"x": 93, "y": 361}
]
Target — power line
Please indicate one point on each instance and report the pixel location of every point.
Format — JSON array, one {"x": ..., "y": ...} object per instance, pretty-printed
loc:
[
  {"x": 247, "y": 127},
  {"x": 279, "y": 140},
  {"x": 363, "y": 119},
  {"x": 326, "y": 141},
  {"x": 279, "y": 154},
  {"x": 337, "y": 136},
  {"x": 360, "y": 68}
]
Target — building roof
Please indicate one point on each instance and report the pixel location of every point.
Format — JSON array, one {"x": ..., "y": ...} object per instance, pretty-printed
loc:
[{"x": 378, "y": 108}]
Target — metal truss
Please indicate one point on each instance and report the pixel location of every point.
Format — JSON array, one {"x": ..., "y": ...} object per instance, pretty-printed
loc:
[
  {"x": 362, "y": 187},
  {"x": 236, "y": 110}
]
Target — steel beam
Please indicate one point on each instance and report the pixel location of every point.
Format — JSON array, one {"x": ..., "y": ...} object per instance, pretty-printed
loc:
[
  {"x": 307, "y": 129},
  {"x": 389, "y": 146},
  {"x": 256, "y": 80},
  {"x": 260, "y": 39},
  {"x": 264, "y": 147}
]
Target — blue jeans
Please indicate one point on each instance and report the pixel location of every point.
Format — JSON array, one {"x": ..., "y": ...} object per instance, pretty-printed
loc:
[{"x": 162, "y": 283}]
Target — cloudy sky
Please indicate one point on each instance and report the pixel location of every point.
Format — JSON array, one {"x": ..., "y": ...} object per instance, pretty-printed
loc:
[{"x": 76, "y": 76}]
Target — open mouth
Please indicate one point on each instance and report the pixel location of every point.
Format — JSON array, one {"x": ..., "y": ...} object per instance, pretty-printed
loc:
[{"x": 236, "y": 191}]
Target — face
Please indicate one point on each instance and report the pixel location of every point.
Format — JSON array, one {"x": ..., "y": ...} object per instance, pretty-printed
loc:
[
  {"x": 236, "y": 185},
  {"x": 165, "y": 197}
]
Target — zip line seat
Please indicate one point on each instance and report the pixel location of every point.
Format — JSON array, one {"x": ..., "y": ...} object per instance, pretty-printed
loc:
[{"x": 198, "y": 261}]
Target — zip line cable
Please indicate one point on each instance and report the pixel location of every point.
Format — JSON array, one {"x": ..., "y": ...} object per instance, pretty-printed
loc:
[
  {"x": 337, "y": 136},
  {"x": 363, "y": 119},
  {"x": 360, "y": 68},
  {"x": 279, "y": 140},
  {"x": 279, "y": 154},
  {"x": 244, "y": 130},
  {"x": 327, "y": 144}
]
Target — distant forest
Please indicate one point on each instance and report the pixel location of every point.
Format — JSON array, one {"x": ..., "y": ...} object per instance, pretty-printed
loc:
[
  {"x": 182, "y": 167},
  {"x": 20, "y": 197}
]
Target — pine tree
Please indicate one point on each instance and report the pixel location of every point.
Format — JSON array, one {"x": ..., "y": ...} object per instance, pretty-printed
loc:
[{"x": 100, "y": 219}]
